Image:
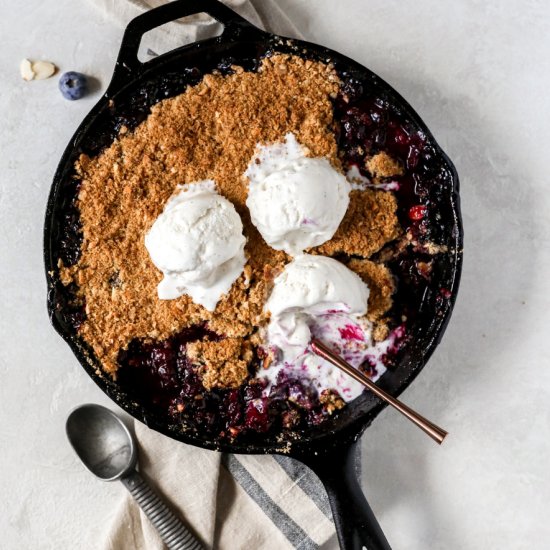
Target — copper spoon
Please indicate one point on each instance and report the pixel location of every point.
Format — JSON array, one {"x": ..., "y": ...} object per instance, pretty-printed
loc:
[{"x": 435, "y": 432}]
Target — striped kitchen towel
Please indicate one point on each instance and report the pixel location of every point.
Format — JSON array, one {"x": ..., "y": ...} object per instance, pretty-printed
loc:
[{"x": 229, "y": 501}]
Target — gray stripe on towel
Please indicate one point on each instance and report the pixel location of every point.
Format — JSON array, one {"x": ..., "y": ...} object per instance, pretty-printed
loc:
[
  {"x": 307, "y": 481},
  {"x": 290, "y": 529}
]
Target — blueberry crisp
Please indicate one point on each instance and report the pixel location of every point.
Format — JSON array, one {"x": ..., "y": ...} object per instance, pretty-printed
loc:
[{"x": 242, "y": 217}]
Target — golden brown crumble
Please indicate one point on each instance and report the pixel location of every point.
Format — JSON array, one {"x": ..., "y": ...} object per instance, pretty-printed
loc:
[
  {"x": 208, "y": 132},
  {"x": 370, "y": 223},
  {"x": 381, "y": 166},
  {"x": 380, "y": 331},
  {"x": 381, "y": 284},
  {"x": 223, "y": 364},
  {"x": 331, "y": 400},
  {"x": 380, "y": 281}
]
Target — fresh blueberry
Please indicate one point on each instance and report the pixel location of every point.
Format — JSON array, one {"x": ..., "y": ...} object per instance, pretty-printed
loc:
[{"x": 73, "y": 85}]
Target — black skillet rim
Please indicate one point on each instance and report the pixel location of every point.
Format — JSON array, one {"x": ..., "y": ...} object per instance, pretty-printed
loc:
[{"x": 326, "y": 438}]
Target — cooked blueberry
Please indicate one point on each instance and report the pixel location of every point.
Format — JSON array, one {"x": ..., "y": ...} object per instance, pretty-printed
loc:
[
  {"x": 253, "y": 391},
  {"x": 257, "y": 417},
  {"x": 232, "y": 408}
]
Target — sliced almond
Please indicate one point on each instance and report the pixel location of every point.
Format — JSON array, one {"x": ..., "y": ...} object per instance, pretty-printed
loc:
[
  {"x": 26, "y": 70},
  {"x": 43, "y": 69}
]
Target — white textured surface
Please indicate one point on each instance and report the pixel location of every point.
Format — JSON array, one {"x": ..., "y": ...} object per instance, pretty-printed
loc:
[{"x": 478, "y": 73}]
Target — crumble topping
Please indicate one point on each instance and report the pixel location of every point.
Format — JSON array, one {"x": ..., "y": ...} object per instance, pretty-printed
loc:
[
  {"x": 208, "y": 132},
  {"x": 331, "y": 400},
  {"x": 380, "y": 282},
  {"x": 224, "y": 363},
  {"x": 370, "y": 223},
  {"x": 381, "y": 166}
]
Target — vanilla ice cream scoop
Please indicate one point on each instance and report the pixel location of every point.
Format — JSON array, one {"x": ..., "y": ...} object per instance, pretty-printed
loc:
[
  {"x": 296, "y": 202},
  {"x": 198, "y": 244},
  {"x": 309, "y": 287},
  {"x": 318, "y": 297}
]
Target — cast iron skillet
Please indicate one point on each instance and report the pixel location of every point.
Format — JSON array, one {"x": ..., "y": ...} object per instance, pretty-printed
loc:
[{"x": 329, "y": 450}]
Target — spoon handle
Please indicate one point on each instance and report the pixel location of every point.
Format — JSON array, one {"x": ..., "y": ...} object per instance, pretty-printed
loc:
[
  {"x": 172, "y": 531},
  {"x": 435, "y": 432}
]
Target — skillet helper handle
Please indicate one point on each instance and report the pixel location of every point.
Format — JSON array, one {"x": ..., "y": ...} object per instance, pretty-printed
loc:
[
  {"x": 172, "y": 531},
  {"x": 128, "y": 65},
  {"x": 356, "y": 526}
]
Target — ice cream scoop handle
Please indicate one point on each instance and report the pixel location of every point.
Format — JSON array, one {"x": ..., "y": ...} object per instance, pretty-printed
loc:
[{"x": 172, "y": 531}]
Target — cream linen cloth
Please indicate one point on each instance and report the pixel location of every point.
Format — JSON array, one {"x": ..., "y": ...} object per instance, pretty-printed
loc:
[
  {"x": 262, "y": 13},
  {"x": 231, "y": 502}
]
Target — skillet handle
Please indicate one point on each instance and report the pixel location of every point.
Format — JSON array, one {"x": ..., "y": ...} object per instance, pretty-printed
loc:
[
  {"x": 356, "y": 526},
  {"x": 128, "y": 65}
]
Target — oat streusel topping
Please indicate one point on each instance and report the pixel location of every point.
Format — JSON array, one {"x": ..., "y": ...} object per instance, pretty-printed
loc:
[
  {"x": 381, "y": 166},
  {"x": 208, "y": 132},
  {"x": 370, "y": 223},
  {"x": 222, "y": 364}
]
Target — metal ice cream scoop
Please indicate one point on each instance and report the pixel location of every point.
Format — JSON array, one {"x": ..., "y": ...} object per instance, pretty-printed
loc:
[{"x": 108, "y": 450}]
